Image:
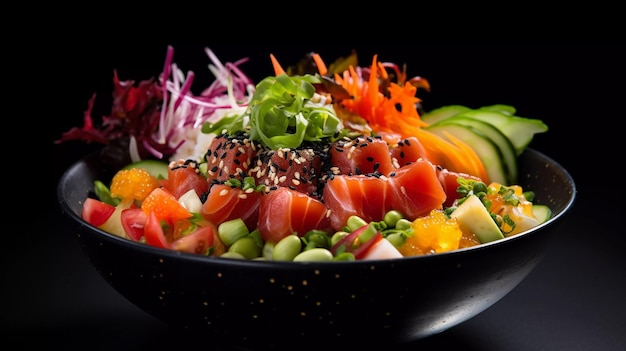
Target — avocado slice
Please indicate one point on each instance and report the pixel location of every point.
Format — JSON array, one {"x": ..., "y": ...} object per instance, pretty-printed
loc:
[
  {"x": 519, "y": 130},
  {"x": 474, "y": 217}
]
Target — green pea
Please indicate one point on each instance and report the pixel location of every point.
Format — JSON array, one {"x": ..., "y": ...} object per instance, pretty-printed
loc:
[
  {"x": 247, "y": 247},
  {"x": 317, "y": 254},
  {"x": 287, "y": 248},
  {"x": 392, "y": 217},
  {"x": 403, "y": 224}
]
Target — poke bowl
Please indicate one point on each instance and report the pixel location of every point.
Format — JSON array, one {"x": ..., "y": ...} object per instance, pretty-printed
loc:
[
  {"x": 252, "y": 303},
  {"x": 242, "y": 303}
]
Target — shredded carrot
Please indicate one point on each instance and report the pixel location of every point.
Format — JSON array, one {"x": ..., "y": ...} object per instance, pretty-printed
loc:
[
  {"x": 398, "y": 115},
  {"x": 321, "y": 66},
  {"x": 278, "y": 69}
]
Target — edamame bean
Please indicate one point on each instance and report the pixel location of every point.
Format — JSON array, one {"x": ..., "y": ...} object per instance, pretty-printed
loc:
[
  {"x": 316, "y": 238},
  {"x": 234, "y": 255},
  {"x": 287, "y": 248},
  {"x": 317, "y": 254},
  {"x": 246, "y": 247},
  {"x": 268, "y": 248},
  {"x": 354, "y": 223},
  {"x": 337, "y": 237},
  {"x": 396, "y": 239},
  {"x": 345, "y": 256}
]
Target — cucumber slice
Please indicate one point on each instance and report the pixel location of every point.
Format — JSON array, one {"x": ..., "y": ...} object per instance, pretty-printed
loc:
[
  {"x": 495, "y": 135},
  {"x": 519, "y": 130},
  {"x": 156, "y": 168},
  {"x": 444, "y": 112},
  {"x": 487, "y": 150},
  {"x": 506, "y": 109},
  {"x": 542, "y": 212}
]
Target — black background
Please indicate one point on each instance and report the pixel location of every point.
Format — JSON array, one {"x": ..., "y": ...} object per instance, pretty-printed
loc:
[{"x": 574, "y": 300}]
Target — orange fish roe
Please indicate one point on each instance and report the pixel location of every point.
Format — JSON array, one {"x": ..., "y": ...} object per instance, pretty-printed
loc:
[
  {"x": 133, "y": 184},
  {"x": 433, "y": 233}
]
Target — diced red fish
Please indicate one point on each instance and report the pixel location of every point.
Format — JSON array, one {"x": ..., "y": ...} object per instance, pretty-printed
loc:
[
  {"x": 363, "y": 155},
  {"x": 285, "y": 211}
]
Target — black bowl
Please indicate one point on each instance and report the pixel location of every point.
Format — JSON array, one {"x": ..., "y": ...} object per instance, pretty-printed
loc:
[{"x": 258, "y": 304}]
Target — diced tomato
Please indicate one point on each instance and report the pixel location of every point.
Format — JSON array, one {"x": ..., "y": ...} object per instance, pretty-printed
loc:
[
  {"x": 183, "y": 178},
  {"x": 154, "y": 232},
  {"x": 96, "y": 212},
  {"x": 199, "y": 242},
  {"x": 225, "y": 203},
  {"x": 133, "y": 222},
  {"x": 284, "y": 211}
]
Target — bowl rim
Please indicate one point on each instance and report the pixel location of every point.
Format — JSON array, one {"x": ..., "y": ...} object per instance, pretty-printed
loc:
[{"x": 67, "y": 211}]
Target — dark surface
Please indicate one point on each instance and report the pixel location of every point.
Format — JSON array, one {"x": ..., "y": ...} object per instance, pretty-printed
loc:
[{"x": 573, "y": 300}]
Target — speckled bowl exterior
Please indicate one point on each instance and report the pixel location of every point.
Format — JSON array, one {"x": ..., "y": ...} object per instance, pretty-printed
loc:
[{"x": 245, "y": 304}]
